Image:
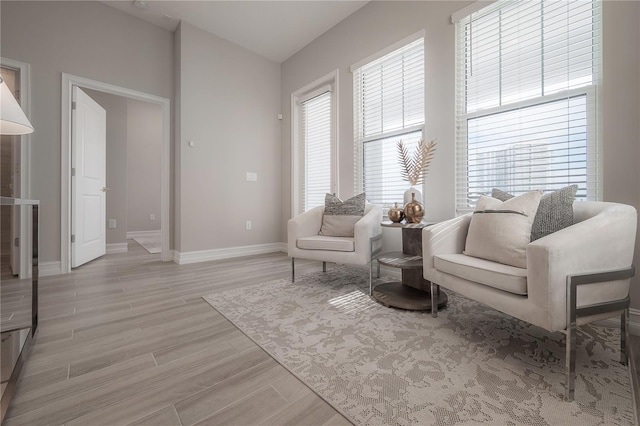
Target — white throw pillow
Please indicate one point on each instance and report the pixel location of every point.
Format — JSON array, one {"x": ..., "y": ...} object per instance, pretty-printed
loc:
[{"x": 500, "y": 231}]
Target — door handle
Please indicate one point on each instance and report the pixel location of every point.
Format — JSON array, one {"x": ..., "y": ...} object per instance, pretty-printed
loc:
[{"x": 105, "y": 189}]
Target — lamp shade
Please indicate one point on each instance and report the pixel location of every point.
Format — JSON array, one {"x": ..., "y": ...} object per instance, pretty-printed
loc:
[{"x": 12, "y": 118}]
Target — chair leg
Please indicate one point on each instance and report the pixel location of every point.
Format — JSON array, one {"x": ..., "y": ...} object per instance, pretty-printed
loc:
[
  {"x": 571, "y": 361},
  {"x": 293, "y": 270},
  {"x": 370, "y": 278},
  {"x": 435, "y": 290},
  {"x": 624, "y": 337},
  {"x": 324, "y": 266},
  {"x": 378, "y": 265}
]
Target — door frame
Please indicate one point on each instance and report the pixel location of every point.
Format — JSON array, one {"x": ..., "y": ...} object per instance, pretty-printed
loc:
[
  {"x": 24, "y": 71},
  {"x": 68, "y": 81}
]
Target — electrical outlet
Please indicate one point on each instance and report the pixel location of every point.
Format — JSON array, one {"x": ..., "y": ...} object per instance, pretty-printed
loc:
[
  {"x": 247, "y": 225},
  {"x": 152, "y": 216},
  {"x": 112, "y": 223},
  {"x": 251, "y": 177}
]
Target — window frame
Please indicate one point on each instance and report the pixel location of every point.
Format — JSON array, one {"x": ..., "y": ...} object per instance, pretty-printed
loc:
[
  {"x": 593, "y": 113},
  {"x": 359, "y": 140},
  {"x": 326, "y": 83}
]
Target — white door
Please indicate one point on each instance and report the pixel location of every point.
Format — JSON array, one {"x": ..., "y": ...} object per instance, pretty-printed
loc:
[{"x": 88, "y": 179}]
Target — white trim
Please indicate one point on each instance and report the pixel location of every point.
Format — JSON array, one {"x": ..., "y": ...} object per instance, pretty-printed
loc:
[
  {"x": 68, "y": 81},
  {"x": 24, "y": 71},
  {"x": 634, "y": 322},
  {"x": 472, "y": 8},
  {"x": 394, "y": 133},
  {"x": 395, "y": 46},
  {"x": 316, "y": 92},
  {"x": 297, "y": 97},
  {"x": 47, "y": 269},
  {"x": 226, "y": 253},
  {"x": 117, "y": 248},
  {"x": 135, "y": 234}
]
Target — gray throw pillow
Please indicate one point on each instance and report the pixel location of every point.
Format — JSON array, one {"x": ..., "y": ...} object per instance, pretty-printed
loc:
[
  {"x": 340, "y": 217},
  {"x": 555, "y": 211}
]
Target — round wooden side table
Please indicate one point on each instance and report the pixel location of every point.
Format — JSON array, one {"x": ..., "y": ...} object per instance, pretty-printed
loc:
[{"x": 413, "y": 292}]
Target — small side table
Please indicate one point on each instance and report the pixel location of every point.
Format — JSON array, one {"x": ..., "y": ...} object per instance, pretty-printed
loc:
[{"x": 414, "y": 292}]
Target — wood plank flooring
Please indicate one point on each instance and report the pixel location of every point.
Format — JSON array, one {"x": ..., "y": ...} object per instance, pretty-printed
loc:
[{"x": 127, "y": 339}]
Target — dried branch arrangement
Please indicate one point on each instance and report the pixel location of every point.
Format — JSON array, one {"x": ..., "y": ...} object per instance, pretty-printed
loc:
[{"x": 414, "y": 169}]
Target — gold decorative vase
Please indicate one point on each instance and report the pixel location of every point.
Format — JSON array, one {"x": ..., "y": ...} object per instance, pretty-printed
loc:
[
  {"x": 395, "y": 214},
  {"x": 413, "y": 210}
]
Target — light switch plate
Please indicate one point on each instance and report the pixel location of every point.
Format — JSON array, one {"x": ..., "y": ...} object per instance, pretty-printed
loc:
[{"x": 112, "y": 223}]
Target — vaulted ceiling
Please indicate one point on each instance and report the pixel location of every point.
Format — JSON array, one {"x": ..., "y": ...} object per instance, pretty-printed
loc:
[{"x": 274, "y": 29}]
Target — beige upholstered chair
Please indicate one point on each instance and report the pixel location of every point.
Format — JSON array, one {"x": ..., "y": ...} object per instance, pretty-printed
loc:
[
  {"x": 574, "y": 276},
  {"x": 305, "y": 243}
]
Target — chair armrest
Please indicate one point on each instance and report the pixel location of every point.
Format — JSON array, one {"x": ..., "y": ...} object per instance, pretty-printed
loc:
[
  {"x": 603, "y": 242},
  {"x": 305, "y": 224},
  {"x": 448, "y": 237},
  {"x": 367, "y": 228}
]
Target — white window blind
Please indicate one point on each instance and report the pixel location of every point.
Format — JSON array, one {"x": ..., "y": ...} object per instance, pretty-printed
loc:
[
  {"x": 388, "y": 106},
  {"x": 527, "y": 98},
  {"x": 316, "y": 128}
]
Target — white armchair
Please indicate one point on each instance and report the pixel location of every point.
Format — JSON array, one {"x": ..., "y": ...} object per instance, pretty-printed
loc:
[
  {"x": 574, "y": 276},
  {"x": 305, "y": 243}
]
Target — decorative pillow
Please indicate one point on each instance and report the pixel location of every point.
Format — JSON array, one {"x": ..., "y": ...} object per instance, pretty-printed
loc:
[
  {"x": 555, "y": 211},
  {"x": 340, "y": 217},
  {"x": 500, "y": 231}
]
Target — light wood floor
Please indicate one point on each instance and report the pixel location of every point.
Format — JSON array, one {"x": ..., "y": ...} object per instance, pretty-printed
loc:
[{"x": 127, "y": 339}]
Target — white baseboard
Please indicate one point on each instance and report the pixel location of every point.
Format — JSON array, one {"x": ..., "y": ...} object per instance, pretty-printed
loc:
[
  {"x": 117, "y": 248},
  {"x": 46, "y": 269},
  {"x": 634, "y": 322},
  {"x": 136, "y": 234},
  {"x": 226, "y": 253}
]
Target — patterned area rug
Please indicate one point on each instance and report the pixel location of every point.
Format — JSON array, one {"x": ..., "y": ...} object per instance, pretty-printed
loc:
[
  {"x": 153, "y": 243},
  {"x": 471, "y": 365}
]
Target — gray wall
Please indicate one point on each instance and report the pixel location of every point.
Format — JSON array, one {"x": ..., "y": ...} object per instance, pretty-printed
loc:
[
  {"x": 229, "y": 101},
  {"x": 116, "y": 107},
  {"x": 144, "y": 147},
  {"x": 372, "y": 28},
  {"x": 105, "y": 45},
  {"x": 380, "y": 24},
  {"x": 367, "y": 31},
  {"x": 621, "y": 111}
]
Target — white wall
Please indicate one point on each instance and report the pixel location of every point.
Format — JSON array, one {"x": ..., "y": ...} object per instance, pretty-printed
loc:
[
  {"x": 116, "y": 108},
  {"x": 105, "y": 45},
  {"x": 229, "y": 100},
  {"x": 380, "y": 24},
  {"x": 144, "y": 148}
]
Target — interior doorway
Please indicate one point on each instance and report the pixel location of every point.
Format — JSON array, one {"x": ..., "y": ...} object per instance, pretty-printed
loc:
[
  {"x": 132, "y": 189},
  {"x": 68, "y": 82}
]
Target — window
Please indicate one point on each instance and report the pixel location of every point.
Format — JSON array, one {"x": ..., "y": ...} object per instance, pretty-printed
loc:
[
  {"x": 314, "y": 144},
  {"x": 316, "y": 134},
  {"x": 388, "y": 107},
  {"x": 527, "y": 98}
]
